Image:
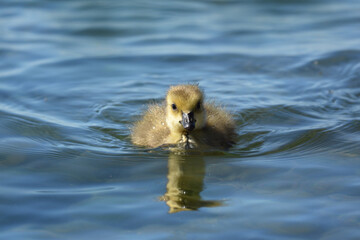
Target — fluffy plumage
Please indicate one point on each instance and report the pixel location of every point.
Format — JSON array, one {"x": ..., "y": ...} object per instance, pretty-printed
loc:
[{"x": 185, "y": 120}]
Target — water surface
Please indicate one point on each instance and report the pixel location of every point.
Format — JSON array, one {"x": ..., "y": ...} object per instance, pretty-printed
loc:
[{"x": 74, "y": 75}]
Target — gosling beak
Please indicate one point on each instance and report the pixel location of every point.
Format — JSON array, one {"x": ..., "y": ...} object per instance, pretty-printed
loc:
[{"x": 188, "y": 121}]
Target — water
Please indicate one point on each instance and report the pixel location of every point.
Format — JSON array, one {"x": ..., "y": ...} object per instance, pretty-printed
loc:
[{"x": 74, "y": 75}]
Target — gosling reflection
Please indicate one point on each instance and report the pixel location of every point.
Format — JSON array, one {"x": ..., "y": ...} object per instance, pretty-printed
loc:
[{"x": 185, "y": 183}]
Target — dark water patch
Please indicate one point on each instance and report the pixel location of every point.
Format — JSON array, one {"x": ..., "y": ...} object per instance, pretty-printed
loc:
[
  {"x": 173, "y": 40},
  {"x": 243, "y": 64},
  {"x": 336, "y": 23},
  {"x": 108, "y": 32}
]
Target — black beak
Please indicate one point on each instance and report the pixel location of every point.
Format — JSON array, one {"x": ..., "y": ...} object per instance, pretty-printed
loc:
[{"x": 188, "y": 121}]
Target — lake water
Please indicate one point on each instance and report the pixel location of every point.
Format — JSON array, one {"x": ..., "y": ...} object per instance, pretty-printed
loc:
[{"x": 74, "y": 76}]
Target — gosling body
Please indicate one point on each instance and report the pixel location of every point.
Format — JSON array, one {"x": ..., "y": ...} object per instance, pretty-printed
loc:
[{"x": 186, "y": 121}]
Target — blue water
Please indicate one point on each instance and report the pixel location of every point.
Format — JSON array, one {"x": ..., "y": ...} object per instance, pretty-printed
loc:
[{"x": 74, "y": 76}]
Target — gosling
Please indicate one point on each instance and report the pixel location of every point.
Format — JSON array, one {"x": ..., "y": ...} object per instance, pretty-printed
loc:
[{"x": 185, "y": 121}]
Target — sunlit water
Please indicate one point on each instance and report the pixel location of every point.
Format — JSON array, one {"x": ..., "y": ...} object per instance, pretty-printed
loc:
[{"x": 74, "y": 75}]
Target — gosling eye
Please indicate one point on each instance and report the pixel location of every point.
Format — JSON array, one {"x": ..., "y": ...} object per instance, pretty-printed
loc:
[
  {"x": 173, "y": 106},
  {"x": 198, "y": 105}
]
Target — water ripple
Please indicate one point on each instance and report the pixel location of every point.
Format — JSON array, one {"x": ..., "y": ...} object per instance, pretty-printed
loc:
[{"x": 284, "y": 130}]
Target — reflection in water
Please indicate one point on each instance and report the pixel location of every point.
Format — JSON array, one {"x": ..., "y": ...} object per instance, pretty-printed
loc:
[{"x": 185, "y": 183}]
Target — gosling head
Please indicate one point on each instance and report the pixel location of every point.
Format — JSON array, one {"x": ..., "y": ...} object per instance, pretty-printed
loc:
[{"x": 185, "y": 109}]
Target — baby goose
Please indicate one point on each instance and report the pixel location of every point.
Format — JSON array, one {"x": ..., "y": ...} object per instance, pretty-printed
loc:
[{"x": 186, "y": 121}]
